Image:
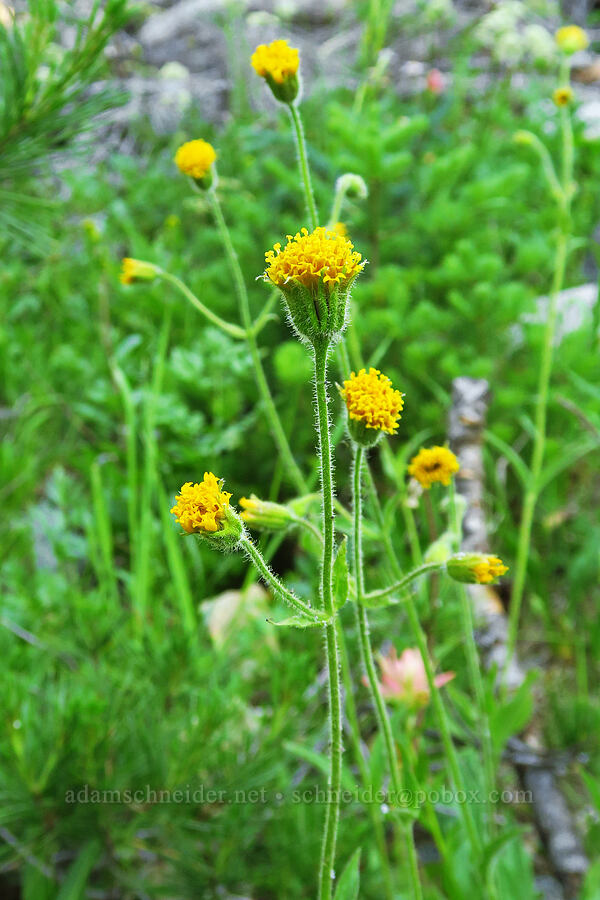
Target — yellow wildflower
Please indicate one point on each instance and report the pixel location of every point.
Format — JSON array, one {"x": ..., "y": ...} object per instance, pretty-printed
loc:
[
  {"x": 195, "y": 158},
  {"x": 202, "y": 508},
  {"x": 433, "y": 464},
  {"x": 475, "y": 568},
  {"x": 277, "y": 60},
  {"x": 259, "y": 514},
  {"x": 571, "y": 38},
  {"x": 136, "y": 270},
  {"x": 322, "y": 257},
  {"x": 340, "y": 229},
  {"x": 562, "y": 96},
  {"x": 372, "y": 401}
]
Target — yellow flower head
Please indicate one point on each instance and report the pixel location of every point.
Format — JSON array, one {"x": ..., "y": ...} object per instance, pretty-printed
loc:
[
  {"x": 276, "y": 60},
  {"x": 433, "y": 464},
  {"x": 487, "y": 571},
  {"x": 202, "y": 508},
  {"x": 475, "y": 568},
  {"x": 136, "y": 270},
  {"x": 195, "y": 159},
  {"x": 320, "y": 258},
  {"x": 264, "y": 514},
  {"x": 571, "y": 38},
  {"x": 562, "y": 96},
  {"x": 340, "y": 229},
  {"x": 372, "y": 401}
]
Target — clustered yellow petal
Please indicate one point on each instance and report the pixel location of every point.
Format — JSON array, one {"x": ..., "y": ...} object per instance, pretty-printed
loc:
[
  {"x": 195, "y": 158},
  {"x": 571, "y": 38},
  {"x": 321, "y": 257},
  {"x": 201, "y": 507},
  {"x": 371, "y": 399},
  {"x": 433, "y": 464},
  {"x": 277, "y": 60},
  {"x": 490, "y": 569},
  {"x": 562, "y": 96}
]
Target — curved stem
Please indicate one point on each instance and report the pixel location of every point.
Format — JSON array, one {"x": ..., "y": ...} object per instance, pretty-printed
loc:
[
  {"x": 326, "y": 873},
  {"x": 252, "y": 551},
  {"x": 303, "y": 163},
  {"x": 404, "y": 582},
  {"x": 276, "y": 428},
  {"x": 228, "y": 327},
  {"x": 383, "y": 719}
]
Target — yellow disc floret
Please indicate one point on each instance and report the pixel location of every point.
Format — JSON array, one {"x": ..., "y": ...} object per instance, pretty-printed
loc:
[
  {"x": 321, "y": 257},
  {"x": 371, "y": 399},
  {"x": 433, "y": 464},
  {"x": 195, "y": 158},
  {"x": 276, "y": 60},
  {"x": 488, "y": 570},
  {"x": 571, "y": 38},
  {"x": 202, "y": 507},
  {"x": 562, "y": 96}
]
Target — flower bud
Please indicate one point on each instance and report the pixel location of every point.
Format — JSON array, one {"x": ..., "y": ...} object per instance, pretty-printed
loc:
[
  {"x": 204, "y": 509},
  {"x": 524, "y": 138},
  {"x": 137, "y": 270},
  {"x": 571, "y": 38},
  {"x": 373, "y": 406},
  {"x": 475, "y": 568},
  {"x": 196, "y": 159},
  {"x": 278, "y": 63},
  {"x": 264, "y": 515},
  {"x": 315, "y": 273}
]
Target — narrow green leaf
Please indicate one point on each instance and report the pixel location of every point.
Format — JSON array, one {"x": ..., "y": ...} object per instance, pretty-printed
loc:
[
  {"x": 73, "y": 887},
  {"x": 349, "y": 883},
  {"x": 341, "y": 576}
]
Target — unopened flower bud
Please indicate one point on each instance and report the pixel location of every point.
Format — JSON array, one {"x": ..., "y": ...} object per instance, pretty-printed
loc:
[
  {"x": 137, "y": 270},
  {"x": 264, "y": 515},
  {"x": 562, "y": 96},
  {"x": 475, "y": 568}
]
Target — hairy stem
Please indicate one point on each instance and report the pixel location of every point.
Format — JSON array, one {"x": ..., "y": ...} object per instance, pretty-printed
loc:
[
  {"x": 383, "y": 719},
  {"x": 252, "y": 551},
  {"x": 303, "y": 163},
  {"x": 326, "y": 873}
]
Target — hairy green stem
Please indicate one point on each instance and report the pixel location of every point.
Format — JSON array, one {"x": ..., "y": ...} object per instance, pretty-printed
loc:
[
  {"x": 383, "y": 719},
  {"x": 303, "y": 163},
  {"x": 294, "y": 474},
  {"x": 327, "y": 870},
  {"x": 228, "y": 327},
  {"x": 252, "y": 551},
  {"x": 352, "y": 717},
  {"x": 425, "y": 569}
]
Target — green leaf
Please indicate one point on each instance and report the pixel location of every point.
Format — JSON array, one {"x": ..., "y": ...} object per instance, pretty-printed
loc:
[
  {"x": 301, "y": 622},
  {"x": 349, "y": 883},
  {"x": 73, "y": 887},
  {"x": 511, "y": 717},
  {"x": 341, "y": 576},
  {"x": 320, "y": 761},
  {"x": 512, "y": 456},
  {"x": 494, "y": 848}
]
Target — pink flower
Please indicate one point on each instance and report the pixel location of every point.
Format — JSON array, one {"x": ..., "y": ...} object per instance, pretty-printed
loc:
[
  {"x": 436, "y": 83},
  {"x": 405, "y": 679}
]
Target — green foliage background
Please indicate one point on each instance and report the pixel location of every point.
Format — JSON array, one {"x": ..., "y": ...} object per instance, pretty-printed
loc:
[{"x": 113, "y": 396}]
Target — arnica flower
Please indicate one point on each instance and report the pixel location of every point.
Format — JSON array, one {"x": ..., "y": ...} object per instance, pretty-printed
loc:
[
  {"x": 562, "y": 96},
  {"x": 204, "y": 509},
  {"x": 373, "y": 405},
  {"x": 315, "y": 272},
  {"x": 571, "y": 38},
  {"x": 137, "y": 270},
  {"x": 475, "y": 568},
  {"x": 262, "y": 514},
  {"x": 196, "y": 158},
  {"x": 433, "y": 464},
  {"x": 404, "y": 678},
  {"x": 278, "y": 63}
]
